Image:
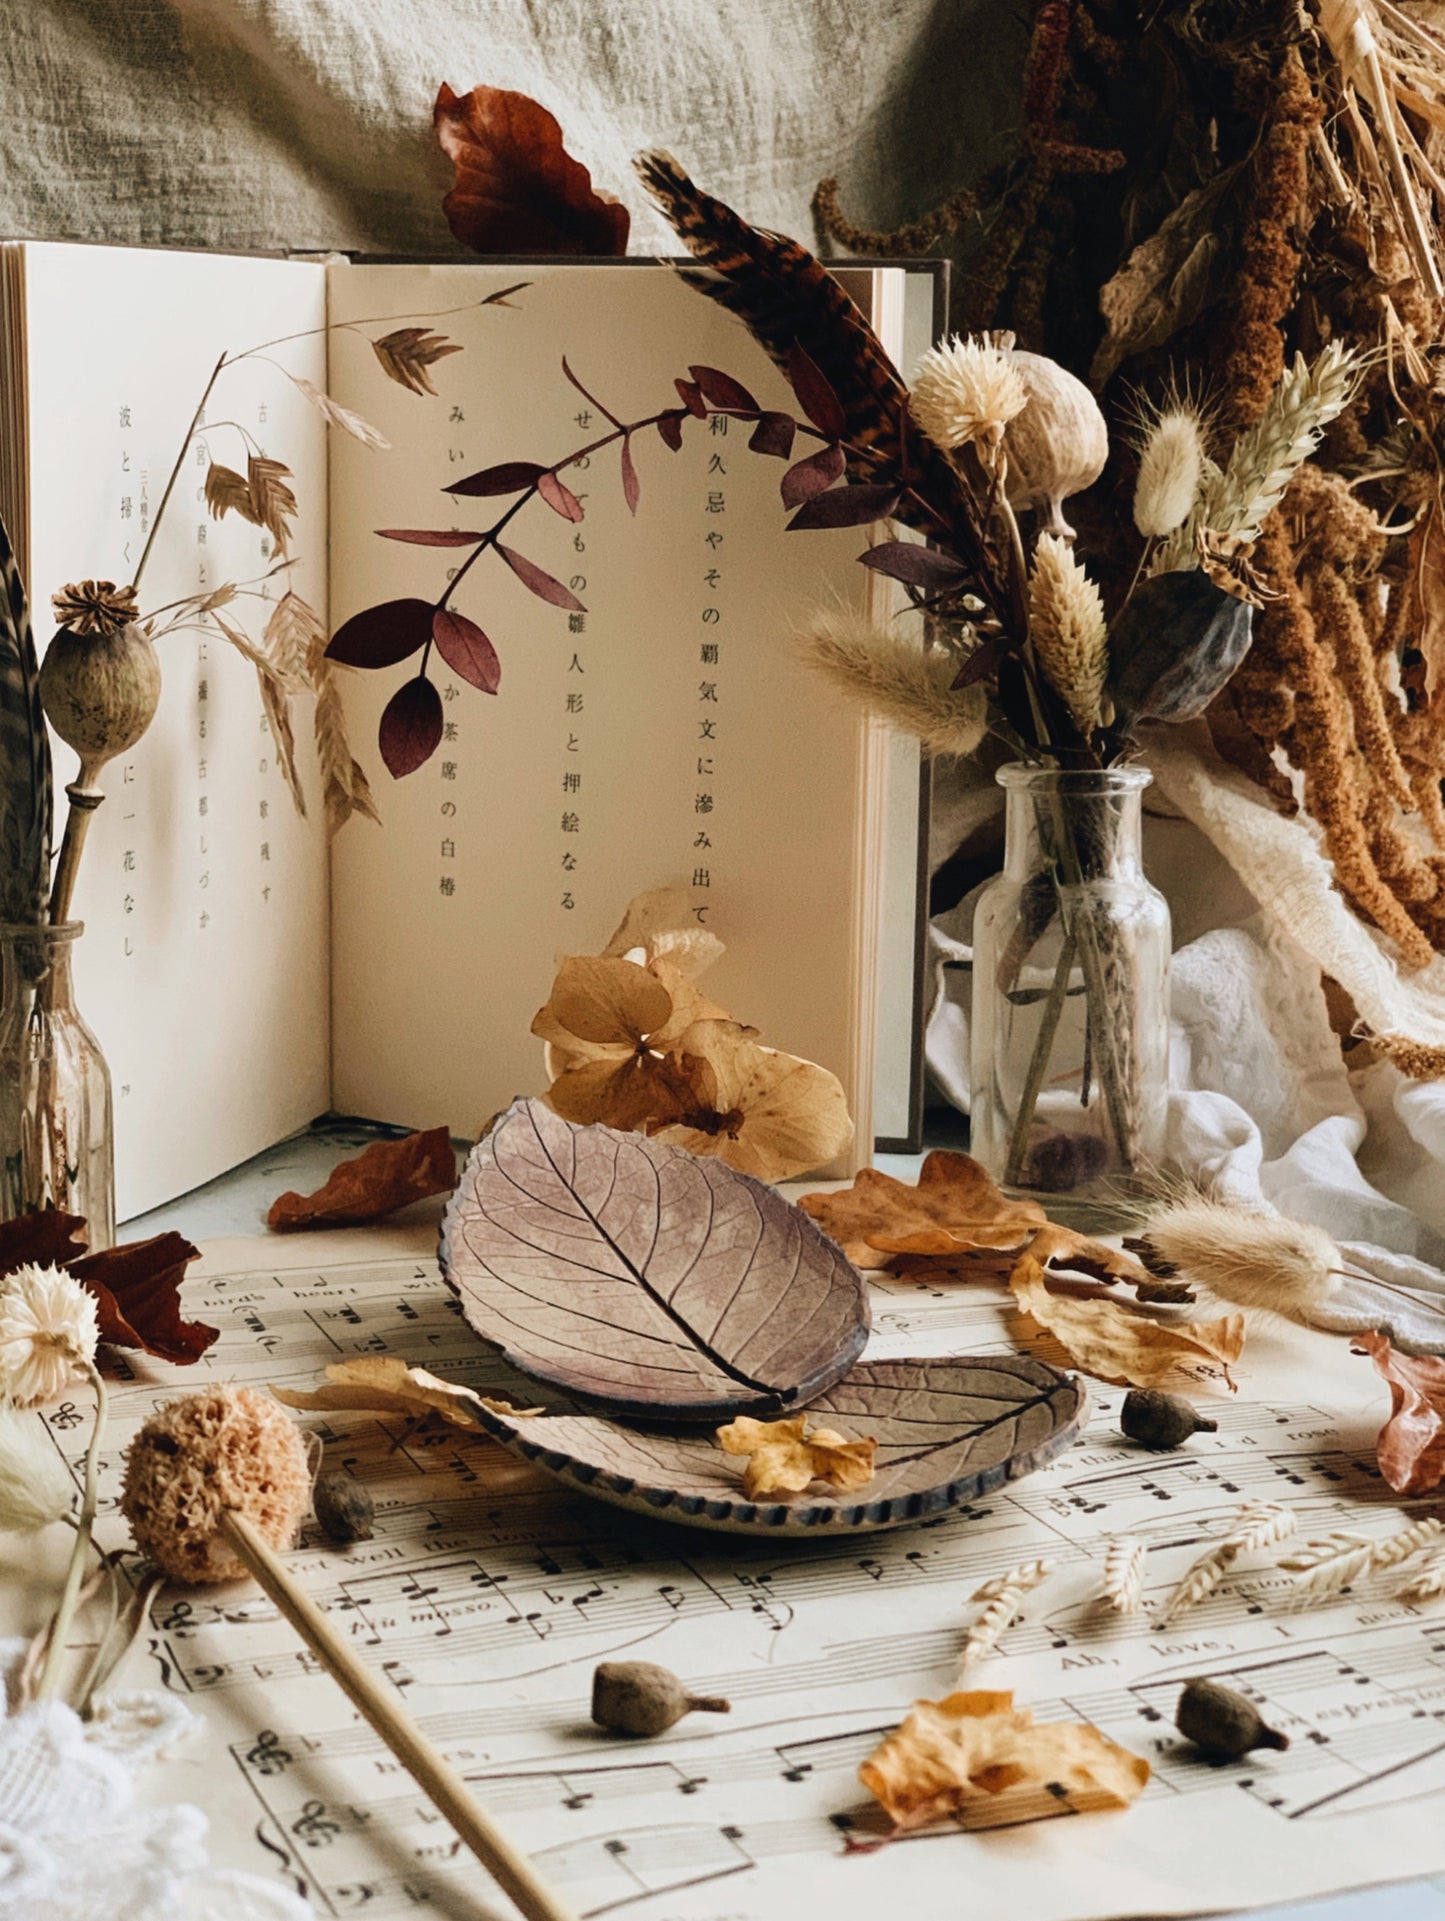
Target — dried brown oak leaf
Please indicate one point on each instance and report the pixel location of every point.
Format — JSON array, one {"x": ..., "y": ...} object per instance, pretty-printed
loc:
[
  {"x": 517, "y": 189},
  {"x": 951, "y": 1758},
  {"x": 385, "y": 1176},
  {"x": 956, "y": 1210},
  {"x": 1411, "y": 1444},
  {"x": 384, "y": 1384},
  {"x": 1120, "y": 1343},
  {"x": 136, "y": 1287},
  {"x": 783, "y": 1457}
]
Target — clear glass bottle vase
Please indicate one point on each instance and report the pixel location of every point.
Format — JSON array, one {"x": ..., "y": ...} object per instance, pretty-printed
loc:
[
  {"x": 57, "y": 1148},
  {"x": 1069, "y": 1063}
]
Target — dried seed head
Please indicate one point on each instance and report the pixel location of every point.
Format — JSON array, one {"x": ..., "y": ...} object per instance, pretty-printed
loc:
[
  {"x": 94, "y": 606},
  {"x": 1171, "y": 465},
  {"x": 1158, "y": 1420},
  {"x": 1224, "y": 1724},
  {"x": 1057, "y": 446},
  {"x": 1067, "y": 630},
  {"x": 639, "y": 1697},
  {"x": 100, "y": 689},
  {"x": 344, "y": 1507}
]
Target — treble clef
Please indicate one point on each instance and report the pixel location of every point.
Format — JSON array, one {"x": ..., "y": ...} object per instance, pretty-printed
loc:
[
  {"x": 268, "y": 1756},
  {"x": 313, "y": 1827}
]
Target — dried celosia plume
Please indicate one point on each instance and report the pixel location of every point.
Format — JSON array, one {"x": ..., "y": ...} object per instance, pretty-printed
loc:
[{"x": 1067, "y": 630}]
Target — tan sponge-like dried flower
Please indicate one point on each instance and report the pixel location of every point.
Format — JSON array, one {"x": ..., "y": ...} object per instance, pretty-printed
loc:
[
  {"x": 966, "y": 390},
  {"x": 200, "y": 1456}
]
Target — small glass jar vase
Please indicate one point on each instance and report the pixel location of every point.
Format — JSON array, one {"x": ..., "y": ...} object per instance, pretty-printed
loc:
[
  {"x": 1069, "y": 1057},
  {"x": 56, "y": 1143}
]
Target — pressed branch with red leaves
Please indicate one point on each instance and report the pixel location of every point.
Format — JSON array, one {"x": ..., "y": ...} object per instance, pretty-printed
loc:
[{"x": 821, "y": 489}]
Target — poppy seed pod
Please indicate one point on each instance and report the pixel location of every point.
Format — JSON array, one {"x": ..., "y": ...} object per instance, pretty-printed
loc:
[
  {"x": 1175, "y": 643},
  {"x": 1057, "y": 446}
]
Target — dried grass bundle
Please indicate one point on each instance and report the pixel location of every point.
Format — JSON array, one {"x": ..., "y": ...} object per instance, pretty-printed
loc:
[
  {"x": 1067, "y": 630},
  {"x": 896, "y": 679},
  {"x": 1259, "y": 1261}
]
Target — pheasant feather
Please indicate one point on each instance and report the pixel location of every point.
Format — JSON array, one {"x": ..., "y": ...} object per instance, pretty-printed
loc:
[
  {"x": 787, "y": 297},
  {"x": 25, "y": 779}
]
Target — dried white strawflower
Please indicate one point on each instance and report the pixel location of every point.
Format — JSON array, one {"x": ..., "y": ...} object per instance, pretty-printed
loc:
[
  {"x": 1067, "y": 629},
  {"x": 35, "y": 1486},
  {"x": 892, "y": 676},
  {"x": 966, "y": 390},
  {"x": 1171, "y": 466},
  {"x": 48, "y": 1333}
]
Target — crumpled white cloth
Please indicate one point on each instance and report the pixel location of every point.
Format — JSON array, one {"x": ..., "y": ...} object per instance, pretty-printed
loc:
[
  {"x": 74, "y": 1844},
  {"x": 1263, "y": 1110}
]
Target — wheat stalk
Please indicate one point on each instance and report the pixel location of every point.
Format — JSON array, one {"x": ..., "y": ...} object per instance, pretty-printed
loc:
[
  {"x": 1235, "y": 502},
  {"x": 1322, "y": 1568},
  {"x": 1002, "y": 1598},
  {"x": 1427, "y": 1583},
  {"x": 1260, "y": 1524},
  {"x": 1124, "y": 1575}
]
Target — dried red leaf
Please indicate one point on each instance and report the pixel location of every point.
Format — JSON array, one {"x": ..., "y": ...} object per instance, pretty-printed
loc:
[
  {"x": 137, "y": 1297},
  {"x": 815, "y": 394},
  {"x": 631, "y": 487},
  {"x": 722, "y": 390},
  {"x": 559, "y": 497},
  {"x": 47, "y": 1238},
  {"x": 517, "y": 189},
  {"x": 411, "y": 726},
  {"x": 383, "y": 635},
  {"x": 385, "y": 1176},
  {"x": 846, "y": 507},
  {"x": 430, "y": 536},
  {"x": 813, "y": 475},
  {"x": 507, "y": 477},
  {"x": 542, "y": 584},
  {"x": 690, "y": 394},
  {"x": 1411, "y": 1445},
  {"x": 463, "y": 646},
  {"x": 669, "y": 427},
  {"x": 774, "y": 434},
  {"x": 918, "y": 566}
]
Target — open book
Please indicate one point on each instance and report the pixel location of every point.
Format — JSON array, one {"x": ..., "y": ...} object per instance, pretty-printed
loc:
[{"x": 243, "y": 972}]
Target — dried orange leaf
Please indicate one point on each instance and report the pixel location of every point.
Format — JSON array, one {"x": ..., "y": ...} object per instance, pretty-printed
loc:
[
  {"x": 784, "y": 1458},
  {"x": 384, "y": 1384},
  {"x": 768, "y": 1114},
  {"x": 1411, "y": 1444},
  {"x": 386, "y": 1176},
  {"x": 955, "y": 1206},
  {"x": 952, "y": 1759},
  {"x": 1118, "y": 1342}
]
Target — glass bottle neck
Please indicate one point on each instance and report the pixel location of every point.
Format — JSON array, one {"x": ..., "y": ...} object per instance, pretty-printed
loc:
[
  {"x": 36, "y": 957},
  {"x": 1079, "y": 827}
]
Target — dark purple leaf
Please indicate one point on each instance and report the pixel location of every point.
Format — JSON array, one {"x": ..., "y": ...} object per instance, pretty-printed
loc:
[
  {"x": 669, "y": 426},
  {"x": 631, "y": 486},
  {"x": 813, "y": 476},
  {"x": 381, "y": 636},
  {"x": 815, "y": 393},
  {"x": 846, "y": 507},
  {"x": 463, "y": 646},
  {"x": 918, "y": 566},
  {"x": 430, "y": 536},
  {"x": 541, "y": 584},
  {"x": 722, "y": 390},
  {"x": 643, "y": 1275},
  {"x": 980, "y": 663},
  {"x": 411, "y": 726},
  {"x": 691, "y": 397},
  {"x": 510, "y": 477},
  {"x": 607, "y": 412},
  {"x": 774, "y": 435},
  {"x": 559, "y": 498}
]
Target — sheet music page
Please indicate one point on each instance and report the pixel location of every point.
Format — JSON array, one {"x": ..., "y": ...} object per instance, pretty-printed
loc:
[
  {"x": 668, "y": 735},
  {"x": 203, "y": 969},
  {"x": 487, "y": 1596}
]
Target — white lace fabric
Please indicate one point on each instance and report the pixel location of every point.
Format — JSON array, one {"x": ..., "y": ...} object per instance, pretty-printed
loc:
[{"x": 74, "y": 1844}]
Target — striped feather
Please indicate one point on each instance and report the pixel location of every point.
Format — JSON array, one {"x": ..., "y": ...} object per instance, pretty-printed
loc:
[
  {"x": 25, "y": 780},
  {"x": 784, "y": 296}
]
